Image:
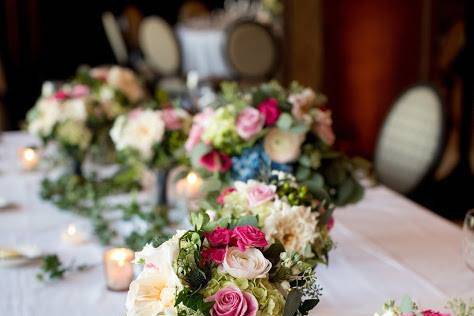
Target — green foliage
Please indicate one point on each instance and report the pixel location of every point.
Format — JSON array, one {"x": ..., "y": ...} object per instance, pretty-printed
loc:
[
  {"x": 189, "y": 302},
  {"x": 53, "y": 269},
  {"x": 461, "y": 308},
  {"x": 187, "y": 263}
]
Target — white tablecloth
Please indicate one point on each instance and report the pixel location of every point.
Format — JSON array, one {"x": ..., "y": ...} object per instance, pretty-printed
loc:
[
  {"x": 203, "y": 51},
  {"x": 387, "y": 246}
]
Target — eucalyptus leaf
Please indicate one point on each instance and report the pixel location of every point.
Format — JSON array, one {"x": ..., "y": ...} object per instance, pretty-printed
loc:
[
  {"x": 302, "y": 173},
  {"x": 293, "y": 301},
  {"x": 285, "y": 121}
]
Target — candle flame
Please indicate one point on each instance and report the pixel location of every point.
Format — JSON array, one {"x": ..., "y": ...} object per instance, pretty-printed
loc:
[
  {"x": 120, "y": 256},
  {"x": 71, "y": 230},
  {"x": 29, "y": 154},
  {"x": 192, "y": 178}
]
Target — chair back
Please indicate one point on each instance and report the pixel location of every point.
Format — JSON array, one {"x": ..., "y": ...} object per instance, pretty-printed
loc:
[
  {"x": 114, "y": 35},
  {"x": 160, "y": 46},
  {"x": 251, "y": 49},
  {"x": 411, "y": 140}
]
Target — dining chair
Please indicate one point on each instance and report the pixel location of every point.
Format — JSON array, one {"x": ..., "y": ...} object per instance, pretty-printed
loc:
[
  {"x": 251, "y": 49},
  {"x": 411, "y": 140},
  {"x": 115, "y": 37},
  {"x": 160, "y": 46}
]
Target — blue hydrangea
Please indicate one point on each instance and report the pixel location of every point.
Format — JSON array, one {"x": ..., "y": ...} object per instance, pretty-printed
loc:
[{"x": 252, "y": 162}]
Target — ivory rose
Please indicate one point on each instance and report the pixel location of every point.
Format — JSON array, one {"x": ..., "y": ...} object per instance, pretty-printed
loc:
[
  {"x": 231, "y": 301},
  {"x": 248, "y": 264},
  {"x": 249, "y": 123},
  {"x": 124, "y": 80},
  {"x": 283, "y": 146}
]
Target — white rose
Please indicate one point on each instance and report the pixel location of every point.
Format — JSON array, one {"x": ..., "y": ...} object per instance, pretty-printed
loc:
[
  {"x": 74, "y": 109},
  {"x": 43, "y": 117},
  {"x": 124, "y": 80},
  {"x": 153, "y": 292},
  {"x": 283, "y": 146},
  {"x": 250, "y": 264},
  {"x": 140, "y": 130}
]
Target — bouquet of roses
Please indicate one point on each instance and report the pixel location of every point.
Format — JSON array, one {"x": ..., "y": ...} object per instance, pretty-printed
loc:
[
  {"x": 287, "y": 213},
  {"x": 78, "y": 114},
  {"x": 214, "y": 270},
  {"x": 270, "y": 128},
  {"x": 154, "y": 137},
  {"x": 408, "y": 307}
]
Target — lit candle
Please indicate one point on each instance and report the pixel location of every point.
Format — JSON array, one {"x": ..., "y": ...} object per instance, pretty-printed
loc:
[
  {"x": 73, "y": 235},
  {"x": 29, "y": 158},
  {"x": 190, "y": 187},
  {"x": 118, "y": 267}
]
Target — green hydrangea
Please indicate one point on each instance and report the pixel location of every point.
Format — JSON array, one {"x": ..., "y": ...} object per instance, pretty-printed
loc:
[
  {"x": 221, "y": 131},
  {"x": 271, "y": 302},
  {"x": 74, "y": 133},
  {"x": 236, "y": 205}
]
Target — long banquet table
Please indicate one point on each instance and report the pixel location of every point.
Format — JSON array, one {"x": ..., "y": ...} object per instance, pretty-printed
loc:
[{"x": 387, "y": 246}]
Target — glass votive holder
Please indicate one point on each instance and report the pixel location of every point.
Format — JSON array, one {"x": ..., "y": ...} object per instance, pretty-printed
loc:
[{"x": 118, "y": 268}]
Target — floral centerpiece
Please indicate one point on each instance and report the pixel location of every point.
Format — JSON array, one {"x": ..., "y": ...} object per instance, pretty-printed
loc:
[
  {"x": 407, "y": 307},
  {"x": 78, "y": 114},
  {"x": 152, "y": 138},
  {"x": 287, "y": 213},
  {"x": 218, "y": 271},
  {"x": 250, "y": 133}
]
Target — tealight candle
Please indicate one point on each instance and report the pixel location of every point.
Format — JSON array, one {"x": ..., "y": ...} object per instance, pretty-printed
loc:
[
  {"x": 190, "y": 186},
  {"x": 118, "y": 267},
  {"x": 73, "y": 235},
  {"x": 29, "y": 158}
]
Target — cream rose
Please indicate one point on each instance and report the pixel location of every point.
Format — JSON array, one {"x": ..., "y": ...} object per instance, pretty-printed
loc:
[
  {"x": 139, "y": 130},
  {"x": 283, "y": 146},
  {"x": 74, "y": 109},
  {"x": 124, "y": 80},
  {"x": 249, "y": 264},
  {"x": 43, "y": 117},
  {"x": 153, "y": 292}
]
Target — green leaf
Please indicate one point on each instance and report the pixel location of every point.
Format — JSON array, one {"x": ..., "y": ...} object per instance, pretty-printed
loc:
[
  {"x": 211, "y": 185},
  {"x": 293, "y": 301},
  {"x": 406, "y": 305},
  {"x": 345, "y": 191},
  {"x": 308, "y": 305},
  {"x": 299, "y": 128},
  {"x": 198, "y": 151},
  {"x": 302, "y": 173},
  {"x": 285, "y": 121},
  {"x": 246, "y": 220},
  {"x": 273, "y": 252}
]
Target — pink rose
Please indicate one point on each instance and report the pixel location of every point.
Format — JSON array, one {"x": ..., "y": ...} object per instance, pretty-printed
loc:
[
  {"x": 231, "y": 301},
  {"x": 215, "y": 255},
  {"x": 219, "y": 237},
  {"x": 248, "y": 236},
  {"x": 61, "y": 95},
  {"x": 199, "y": 123},
  {"x": 80, "y": 90},
  {"x": 260, "y": 193},
  {"x": 194, "y": 137},
  {"x": 270, "y": 111},
  {"x": 224, "y": 193},
  {"x": 323, "y": 126},
  {"x": 330, "y": 223},
  {"x": 174, "y": 118},
  {"x": 429, "y": 312},
  {"x": 302, "y": 102},
  {"x": 249, "y": 123},
  {"x": 215, "y": 161}
]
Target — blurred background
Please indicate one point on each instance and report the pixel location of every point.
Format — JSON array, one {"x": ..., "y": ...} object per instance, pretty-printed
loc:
[{"x": 362, "y": 54}]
